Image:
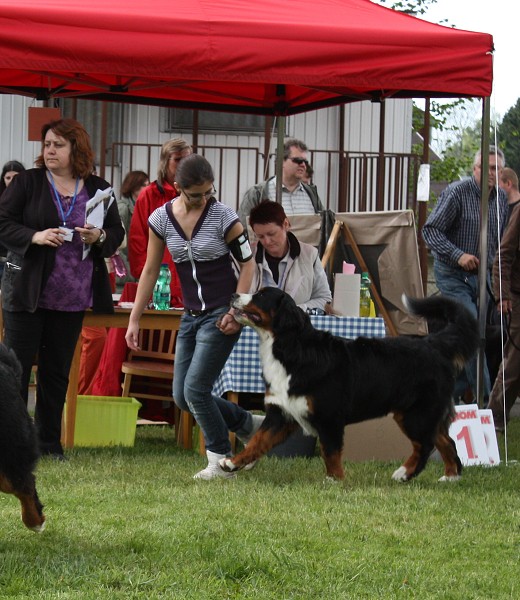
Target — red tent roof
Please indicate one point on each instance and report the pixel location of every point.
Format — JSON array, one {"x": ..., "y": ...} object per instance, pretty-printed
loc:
[{"x": 266, "y": 57}]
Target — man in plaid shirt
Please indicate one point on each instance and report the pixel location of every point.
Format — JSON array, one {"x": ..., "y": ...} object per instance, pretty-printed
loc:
[{"x": 452, "y": 232}]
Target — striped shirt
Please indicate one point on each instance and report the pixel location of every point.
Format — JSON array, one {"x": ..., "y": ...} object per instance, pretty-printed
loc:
[
  {"x": 203, "y": 263},
  {"x": 453, "y": 227},
  {"x": 297, "y": 202}
]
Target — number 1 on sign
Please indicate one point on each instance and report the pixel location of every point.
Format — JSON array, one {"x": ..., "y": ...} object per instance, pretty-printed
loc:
[
  {"x": 465, "y": 435},
  {"x": 468, "y": 434}
]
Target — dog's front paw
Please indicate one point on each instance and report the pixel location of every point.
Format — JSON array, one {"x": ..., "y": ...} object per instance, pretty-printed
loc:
[
  {"x": 38, "y": 528},
  {"x": 400, "y": 474},
  {"x": 226, "y": 464},
  {"x": 329, "y": 479},
  {"x": 450, "y": 478}
]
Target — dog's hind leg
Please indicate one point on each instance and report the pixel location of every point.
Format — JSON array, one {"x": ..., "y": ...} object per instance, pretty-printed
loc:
[
  {"x": 422, "y": 448},
  {"x": 274, "y": 430},
  {"x": 448, "y": 451}
]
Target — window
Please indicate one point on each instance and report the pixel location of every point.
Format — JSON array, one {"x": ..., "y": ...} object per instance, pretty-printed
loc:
[
  {"x": 90, "y": 114},
  {"x": 181, "y": 120}
]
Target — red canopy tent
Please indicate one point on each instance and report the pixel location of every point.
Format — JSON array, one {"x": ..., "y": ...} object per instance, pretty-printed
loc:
[
  {"x": 242, "y": 56},
  {"x": 257, "y": 57}
]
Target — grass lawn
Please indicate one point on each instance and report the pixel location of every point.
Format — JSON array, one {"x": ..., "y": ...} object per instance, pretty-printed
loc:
[{"x": 132, "y": 523}]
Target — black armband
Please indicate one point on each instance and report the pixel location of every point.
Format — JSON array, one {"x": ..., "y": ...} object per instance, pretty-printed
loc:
[{"x": 240, "y": 248}]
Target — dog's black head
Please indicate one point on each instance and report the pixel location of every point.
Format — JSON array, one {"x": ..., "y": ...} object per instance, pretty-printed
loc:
[{"x": 268, "y": 309}]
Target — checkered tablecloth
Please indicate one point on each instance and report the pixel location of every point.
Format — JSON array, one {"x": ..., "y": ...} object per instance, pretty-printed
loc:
[{"x": 242, "y": 371}]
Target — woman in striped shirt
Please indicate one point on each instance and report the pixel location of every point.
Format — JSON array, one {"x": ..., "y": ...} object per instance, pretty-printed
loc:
[{"x": 201, "y": 235}]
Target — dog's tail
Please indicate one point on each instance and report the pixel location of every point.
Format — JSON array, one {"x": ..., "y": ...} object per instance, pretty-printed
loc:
[{"x": 453, "y": 329}]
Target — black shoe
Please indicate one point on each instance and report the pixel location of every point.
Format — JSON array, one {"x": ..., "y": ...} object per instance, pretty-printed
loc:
[{"x": 58, "y": 456}]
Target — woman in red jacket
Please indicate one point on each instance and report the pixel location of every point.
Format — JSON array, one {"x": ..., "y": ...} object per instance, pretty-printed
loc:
[{"x": 153, "y": 196}]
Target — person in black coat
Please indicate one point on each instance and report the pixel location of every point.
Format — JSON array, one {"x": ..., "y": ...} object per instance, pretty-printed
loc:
[{"x": 55, "y": 266}]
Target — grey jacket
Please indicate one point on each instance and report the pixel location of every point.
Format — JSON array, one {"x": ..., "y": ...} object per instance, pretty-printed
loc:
[{"x": 259, "y": 192}]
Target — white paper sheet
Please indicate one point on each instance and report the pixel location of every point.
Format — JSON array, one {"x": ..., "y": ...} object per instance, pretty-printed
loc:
[{"x": 95, "y": 211}]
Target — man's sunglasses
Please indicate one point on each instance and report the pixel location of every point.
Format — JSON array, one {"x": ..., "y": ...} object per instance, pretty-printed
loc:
[{"x": 299, "y": 161}]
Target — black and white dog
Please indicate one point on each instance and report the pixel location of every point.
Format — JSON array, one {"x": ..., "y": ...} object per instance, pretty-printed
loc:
[
  {"x": 18, "y": 443},
  {"x": 323, "y": 382}
]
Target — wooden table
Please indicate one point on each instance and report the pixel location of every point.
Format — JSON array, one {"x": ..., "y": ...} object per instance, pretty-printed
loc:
[{"x": 150, "y": 319}]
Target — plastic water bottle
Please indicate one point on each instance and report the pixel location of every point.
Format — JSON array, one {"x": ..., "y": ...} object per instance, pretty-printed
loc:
[
  {"x": 161, "y": 291},
  {"x": 364, "y": 296}
]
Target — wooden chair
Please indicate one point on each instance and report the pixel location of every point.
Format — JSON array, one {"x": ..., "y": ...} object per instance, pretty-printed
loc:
[{"x": 148, "y": 374}]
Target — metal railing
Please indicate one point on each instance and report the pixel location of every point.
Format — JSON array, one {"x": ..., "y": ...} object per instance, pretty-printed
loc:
[{"x": 346, "y": 181}]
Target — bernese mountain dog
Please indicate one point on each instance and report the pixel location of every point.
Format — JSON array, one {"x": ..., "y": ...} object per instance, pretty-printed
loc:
[
  {"x": 18, "y": 443},
  {"x": 322, "y": 382}
]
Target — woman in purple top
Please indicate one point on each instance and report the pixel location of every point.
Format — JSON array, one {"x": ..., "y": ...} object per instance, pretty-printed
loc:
[
  {"x": 202, "y": 235},
  {"x": 55, "y": 266}
]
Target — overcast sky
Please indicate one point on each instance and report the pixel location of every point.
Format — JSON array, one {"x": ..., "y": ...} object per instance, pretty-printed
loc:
[{"x": 499, "y": 18}]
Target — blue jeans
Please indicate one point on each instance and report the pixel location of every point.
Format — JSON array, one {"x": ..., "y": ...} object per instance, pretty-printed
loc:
[
  {"x": 464, "y": 287},
  {"x": 200, "y": 354}
]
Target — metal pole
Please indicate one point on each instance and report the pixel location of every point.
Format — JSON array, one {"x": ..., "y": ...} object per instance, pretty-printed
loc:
[
  {"x": 423, "y": 206},
  {"x": 280, "y": 128},
  {"x": 483, "y": 271}
]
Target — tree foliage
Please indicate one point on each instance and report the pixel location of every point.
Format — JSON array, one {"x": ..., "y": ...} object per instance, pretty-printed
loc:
[
  {"x": 411, "y": 7},
  {"x": 509, "y": 136}
]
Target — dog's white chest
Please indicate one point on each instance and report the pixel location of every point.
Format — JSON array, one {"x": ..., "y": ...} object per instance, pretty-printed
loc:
[{"x": 278, "y": 379}]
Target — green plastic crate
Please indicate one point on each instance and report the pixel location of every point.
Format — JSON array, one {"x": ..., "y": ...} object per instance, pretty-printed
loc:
[{"x": 105, "y": 421}]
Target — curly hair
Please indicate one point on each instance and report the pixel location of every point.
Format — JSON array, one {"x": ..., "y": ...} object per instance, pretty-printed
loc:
[{"x": 81, "y": 156}]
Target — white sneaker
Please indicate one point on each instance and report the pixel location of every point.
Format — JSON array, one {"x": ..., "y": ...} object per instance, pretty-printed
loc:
[{"x": 213, "y": 470}]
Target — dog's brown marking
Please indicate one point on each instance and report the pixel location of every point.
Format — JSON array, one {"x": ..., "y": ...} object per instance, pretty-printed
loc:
[
  {"x": 5, "y": 485},
  {"x": 261, "y": 443},
  {"x": 448, "y": 452},
  {"x": 252, "y": 315},
  {"x": 412, "y": 462},
  {"x": 32, "y": 515},
  {"x": 333, "y": 464}
]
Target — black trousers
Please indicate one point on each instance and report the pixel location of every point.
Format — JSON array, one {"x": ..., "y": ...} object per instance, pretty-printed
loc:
[{"x": 48, "y": 339}]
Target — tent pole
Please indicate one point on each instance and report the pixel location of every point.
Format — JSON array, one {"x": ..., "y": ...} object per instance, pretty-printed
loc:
[
  {"x": 280, "y": 128},
  {"x": 380, "y": 199},
  {"x": 483, "y": 271},
  {"x": 422, "y": 209},
  {"x": 267, "y": 147}
]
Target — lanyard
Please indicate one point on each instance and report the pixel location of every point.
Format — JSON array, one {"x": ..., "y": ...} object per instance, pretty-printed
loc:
[{"x": 64, "y": 216}]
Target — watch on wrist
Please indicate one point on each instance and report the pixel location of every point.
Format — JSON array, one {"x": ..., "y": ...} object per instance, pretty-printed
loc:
[{"x": 102, "y": 237}]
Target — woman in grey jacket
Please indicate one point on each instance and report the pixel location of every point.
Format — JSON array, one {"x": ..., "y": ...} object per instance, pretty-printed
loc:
[
  {"x": 55, "y": 266},
  {"x": 284, "y": 262}
]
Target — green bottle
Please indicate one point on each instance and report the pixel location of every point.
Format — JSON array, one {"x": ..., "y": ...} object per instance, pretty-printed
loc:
[{"x": 364, "y": 296}]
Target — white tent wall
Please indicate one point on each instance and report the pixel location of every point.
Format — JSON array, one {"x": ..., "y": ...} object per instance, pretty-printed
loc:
[
  {"x": 14, "y": 112},
  {"x": 142, "y": 125}
]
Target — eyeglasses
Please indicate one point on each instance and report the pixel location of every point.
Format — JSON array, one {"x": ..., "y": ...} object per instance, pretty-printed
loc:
[
  {"x": 491, "y": 168},
  {"x": 198, "y": 197},
  {"x": 299, "y": 161}
]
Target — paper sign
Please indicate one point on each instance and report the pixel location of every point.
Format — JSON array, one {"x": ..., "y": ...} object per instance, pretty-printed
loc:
[
  {"x": 95, "y": 211},
  {"x": 468, "y": 434},
  {"x": 348, "y": 268},
  {"x": 346, "y": 294},
  {"x": 423, "y": 184},
  {"x": 490, "y": 435}
]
